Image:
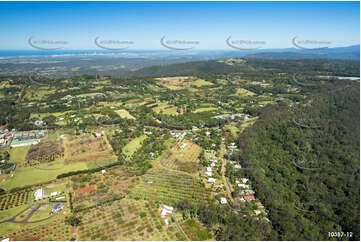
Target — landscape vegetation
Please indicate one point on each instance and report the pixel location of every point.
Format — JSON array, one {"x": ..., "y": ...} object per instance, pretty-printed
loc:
[{"x": 231, "y": 149}]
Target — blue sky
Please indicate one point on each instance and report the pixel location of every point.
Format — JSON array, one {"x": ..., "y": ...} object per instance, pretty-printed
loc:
[{"x": 209, "y": 23}]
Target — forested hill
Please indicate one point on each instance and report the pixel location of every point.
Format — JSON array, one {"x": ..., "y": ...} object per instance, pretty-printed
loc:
[
  {"x": 314, "y": 66},
  {"x": 304, "y": 163}
]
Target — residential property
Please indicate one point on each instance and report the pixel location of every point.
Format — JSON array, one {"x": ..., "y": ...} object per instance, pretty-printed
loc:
[
  {"x": 208, "y": 173},
  {"x": 249, "y": 198},
  {"x": 183, "y": 146},
  {"x": 244, "y": 180},
  {"x": 166, "y": 211},
  {"x": 211, "y": 180},
  {"x": 223, "y": 200}
]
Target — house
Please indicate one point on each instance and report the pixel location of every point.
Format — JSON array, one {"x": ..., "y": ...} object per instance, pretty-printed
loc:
[
  {"x": 257, "y": 212},
  {"x": 103, "y": 171},
  {"x": 38, "y": 123},
  {"x": 208, "y": 133},
  {"x": 209, "y": 169},
  {"x": 244, "y": 180},
  {"x": 243, "y": 185},
  {"x": 223, "y": 200},
  {"x": 60, "y": 198},
  {"x": 39, "y": 194},
  {"x": 213, "y": 164},
  {"x": 195, "y": 128},
  {"x": 148, "y": 132},
  {"x": 237, "y": 167},
  {"x": 211, "y": 180},
  {"x": 216, "y": 185},
  {"x": 183, "y": 146},
  {"x": 249, "y": 198},
  {"x": 57, "y": 208},
  {"x": 249, "y": 192},
  {"x": 98, "y": 134},
  {"x": 208, "y": 173},
  {"x": 166, "y": 210}
]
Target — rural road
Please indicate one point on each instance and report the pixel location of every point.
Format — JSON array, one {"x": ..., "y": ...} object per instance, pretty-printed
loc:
[{"x": 223, "y": 171}]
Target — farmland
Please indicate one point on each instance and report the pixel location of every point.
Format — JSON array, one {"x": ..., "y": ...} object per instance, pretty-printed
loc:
[
  {"x": 175, "y": 156},
  {"x": 182, "y": 159},
  {"x": 125, "y": 220},
  {"x": 170, "y": 187},
  {"x": 182, "y": 82}
]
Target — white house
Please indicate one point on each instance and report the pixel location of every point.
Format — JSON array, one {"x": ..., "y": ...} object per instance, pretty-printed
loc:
[
  {"x": 183, "y": 146},
  {"x": 257, "y": 212},
  {"x": 242, "y": 185},
  {"x": 223, "y": 200},
  {"x": 209, "y": 169},
  {"x": 244, "y": 180},
  {"x": 166, "y": 210},
  {"x": 237, "y": 167},
  {"x": 208, "y": 173},
  {"x": 39, "y": 194},
  {"x": 212, "y": 180}
]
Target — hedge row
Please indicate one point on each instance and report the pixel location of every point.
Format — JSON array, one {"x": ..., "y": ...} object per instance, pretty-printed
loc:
[{"x": 72, "y": 173}]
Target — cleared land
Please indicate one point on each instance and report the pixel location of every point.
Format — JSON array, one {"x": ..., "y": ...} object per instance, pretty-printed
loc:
[
  {"x": 124, "y": 114},
  {"x": 133, "y": 145},
  {"x": 169, "y": 187},
  {"x": 182, "y": 158},
  {"x": 182, "y": 82}
]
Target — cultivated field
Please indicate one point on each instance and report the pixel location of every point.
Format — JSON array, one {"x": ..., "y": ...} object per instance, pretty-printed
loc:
[
  {"x": 169, "y": 187},
  {"x": 182, "y": 82},
  {"x": 124, "y": 114},
  {"x": 126, "y": 219},
  {"x": 185, "y": 159}
]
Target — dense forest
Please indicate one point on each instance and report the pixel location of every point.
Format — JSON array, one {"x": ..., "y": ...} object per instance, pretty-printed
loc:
[{"x": 304, "y": 163}]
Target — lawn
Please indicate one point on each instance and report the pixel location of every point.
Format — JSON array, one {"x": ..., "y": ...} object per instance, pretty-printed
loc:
[
  {"x": 8, "y": 213},
  {"x": 234, "y": 130},
  {"x": 30, "y": 175},
  {"x": 199, "y": 110},
  {"x": 124, "y": 114},
  {"x": 133, "y": 145},
  {"x": 244, "y": 92},
  {"x": 166, "y": 109},
  {"x": 182, "y": 82}
]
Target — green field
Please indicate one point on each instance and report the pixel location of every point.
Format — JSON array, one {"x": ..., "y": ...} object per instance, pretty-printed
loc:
[
  {"x": 29, "y": 175},
  {"x": 124, "y": 114},
  {"x": 133, "y": 145}
]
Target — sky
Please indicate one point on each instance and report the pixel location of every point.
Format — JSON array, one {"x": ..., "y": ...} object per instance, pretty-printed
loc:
[{"x": 203, "y": 25}]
